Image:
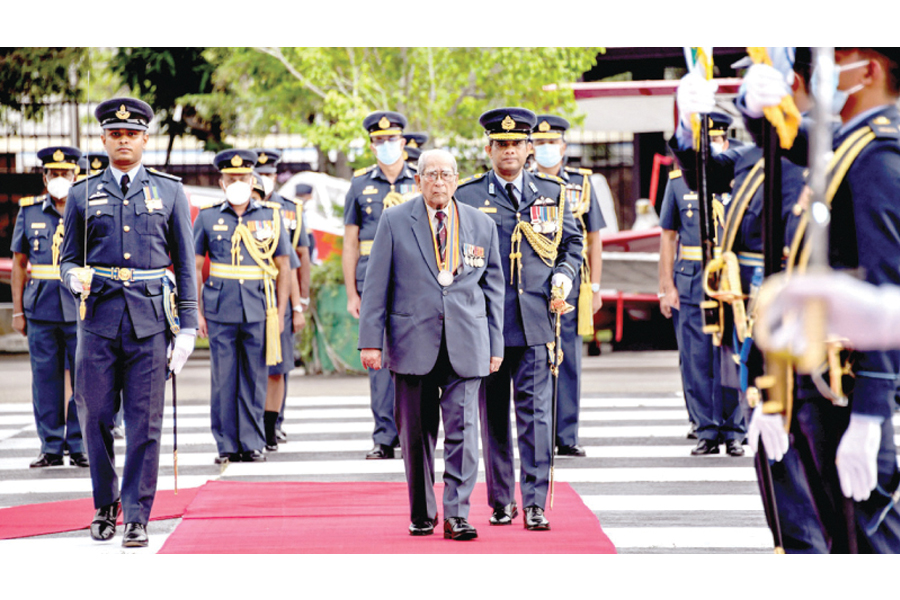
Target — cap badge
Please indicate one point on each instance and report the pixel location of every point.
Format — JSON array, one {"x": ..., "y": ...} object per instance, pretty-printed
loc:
[
  {"x": 236, "y": 161},
  {"x": 263, "y": 159},
  {"x": 544, "y": 126},
  {"x": 59, "y": 156},
  {"x": 96, "y": 164},
  {"x": 412, "y": 144},
  {"x": 508, "y": 123},
  {"x": 384, "y": 123},
  {"x": 122, "y": 113}
]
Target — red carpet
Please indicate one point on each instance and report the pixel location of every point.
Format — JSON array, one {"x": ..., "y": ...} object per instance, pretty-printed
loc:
[
  {"x": 71, "y": 515},
  {"x": 362, "y": 518}
]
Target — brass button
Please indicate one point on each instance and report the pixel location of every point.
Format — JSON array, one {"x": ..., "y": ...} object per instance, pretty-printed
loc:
[
  {"x": 126, "y": 283},
  {"x": 241, "y": 281},
  {"x": 125, "y": 203},
  {"x": 127, "y": 228},
  {"x": 127, "y": 255},
  {"x": 521, "y": 291}
]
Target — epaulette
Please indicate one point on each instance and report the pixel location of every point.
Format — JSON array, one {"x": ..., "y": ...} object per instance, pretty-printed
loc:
[
  {"x": 675, "y": 174},
  {"x": 364, "y": 170},
  {"x": 166, "y": 175},
  {"x": 270, "y": 204},
  {"x": 28, "y": 201},
  {"x": 550, "y": 177},
  {"x": 206, "y": 205},
  {"x": 884, "y": 127},
  {"x": 472, "y": 178},
  {"x": 580, "y": 171}
]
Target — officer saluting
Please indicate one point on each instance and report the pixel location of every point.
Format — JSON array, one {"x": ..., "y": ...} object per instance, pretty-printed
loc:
[
  {"x": 138, "y": 223},
  {"x": 44, "y": 310},
  {"x": 549, "y": 154},
  {"x": 382, "y": 185},
  {"x": 244, "y": 303},
  {"x": 543, "y": 241}
]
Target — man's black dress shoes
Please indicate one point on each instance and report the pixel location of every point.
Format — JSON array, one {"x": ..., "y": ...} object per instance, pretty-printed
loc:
[
  {"x": 253, "y": 456},
  {"x": 457, "y": 528},
  {"x": 103, "y": 527},
  {"x": 47, "y": 460},
  {"x": 692, "y": 432},
  {"x": 570, "y": 451},
  {"x": 425, "y": 527},
  {"x": 230, "y": 457},
  {"x": 505, "y": 514},
  {"x": 135, "y": 536},
  {"x": 380, "y": 451},
  {"x": 79, "y": 459},
  {"x": 733, "y": 448},
  {"x": 535, "y": 519},
  {"x": 705, "y": 447}
]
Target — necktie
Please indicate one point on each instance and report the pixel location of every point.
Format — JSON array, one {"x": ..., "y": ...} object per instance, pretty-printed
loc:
[
  {"x": 511, "y": 192},
  {"x": 441, "y": 232},
  {"x": 125, "y": 182}
]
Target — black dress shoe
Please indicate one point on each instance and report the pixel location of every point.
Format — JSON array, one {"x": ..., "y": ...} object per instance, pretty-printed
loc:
[
  {"x": 281, "y": 436},
  {"x": 505, "y": 514},
  {"x": 535, "y": 519},
  {"x": 380, "y": 451},
  {"x": 253, "y": 456},
  {"x": 457, "y": 528},
  {"x": 425, "y": 527},
  {"x": 733, "y": 448},
  {"x": 103, "y": 527},
  {"x": 135, "y": 536},
  {"x": 79, "y": 459},
  {"x": 272, "y": 447},
  {"x": 570, "y": 451},
  {"x": 692, "y": 432},
  {"x": 47, "y": 460},
  {"x": 228, "y": 457},
  {"x": 705, "y": 447}
]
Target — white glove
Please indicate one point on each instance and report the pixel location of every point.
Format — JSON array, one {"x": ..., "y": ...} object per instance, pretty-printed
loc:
[
  {"x": 763, "y": 86},
  {"x": 857, "y": 456},
  {"x": 74, "y": 284},
  {"x": 694, "y": 95},
  {"x": 562, "y": 281},
  {"x": 771, "y": 429},
  {"x": 181, "y": 349}
]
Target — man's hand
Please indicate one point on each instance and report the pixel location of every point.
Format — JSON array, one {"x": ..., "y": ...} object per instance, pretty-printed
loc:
[
  {"x": 370, "y": 358},
  {"x": 668, "y": 302},
  {"x": 181, "y": 350},
  {"x": 299, "y": 321},
  {"x": 694, "y": 95},
  {"x": 857, "y": 457},
  {"x": 353, "y": 306},
  {"x": 763, "y": 86},
  {"x": 771, "y": 429},
  {"x": 596, "y": 302},
  {"x": 560, "y": 280},
  {"x": 496, "y": 361},
  {"x": 19, "y": 324},
  {"x": 75, "y": 284},
  {"x": 202, "y": 331}
]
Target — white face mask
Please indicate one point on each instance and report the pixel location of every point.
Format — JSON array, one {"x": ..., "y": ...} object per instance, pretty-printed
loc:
[
  {"x": 268, "y": 185},
  {"x": 58, "y": 187},
  {"x": 238, "y": 193},
  {"x": 717, "y": 147},
  {"x": 548, "y": 155}
]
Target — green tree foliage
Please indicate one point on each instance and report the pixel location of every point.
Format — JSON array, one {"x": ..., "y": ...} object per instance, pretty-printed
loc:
[
  {"x": 32, "y": 76},
  {"x": 324, "y": 93}
]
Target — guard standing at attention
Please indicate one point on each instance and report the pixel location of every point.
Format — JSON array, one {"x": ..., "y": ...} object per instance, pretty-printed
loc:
[
  {"x": 549, "y": 155},
  {"x": 124, "y": 228},
  {"x": 44, "y": 309},
  {"x": 292, "y": 216},
  {"x": 387, "y": 183},
  {"x": 244, "y": 302},
  {"x": 538, "y": 232}
]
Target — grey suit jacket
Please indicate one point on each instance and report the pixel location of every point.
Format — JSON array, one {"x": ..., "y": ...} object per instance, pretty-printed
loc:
[{"x": 405, "y": 310}]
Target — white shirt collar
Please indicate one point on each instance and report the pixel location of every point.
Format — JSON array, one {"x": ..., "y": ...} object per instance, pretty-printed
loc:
[{"x": 118, "y": 174}]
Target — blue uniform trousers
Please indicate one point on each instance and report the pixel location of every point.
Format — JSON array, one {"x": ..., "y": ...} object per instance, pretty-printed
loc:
[
  {"x": 239, "y": 378},
  {"x": 700, "y": 373},
  {"x": 285, "y": 366},
  {"x": 51, "y": 345},
  {"x": 689, "y": 402},
  {"x": 137, "y": 368},
  {"x": 527, "y": 368},
  {"x": 421, "y": 400},
  {"x": 381, "y": 388},
  {"x": 817, "y": 428},
  {"x": 568, "y": 399}
]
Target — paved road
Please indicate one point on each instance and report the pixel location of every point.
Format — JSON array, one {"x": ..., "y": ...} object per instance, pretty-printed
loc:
[{"x": 649, "y": 494}]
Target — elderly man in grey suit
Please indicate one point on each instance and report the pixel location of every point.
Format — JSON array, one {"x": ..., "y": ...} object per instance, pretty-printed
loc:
[{"x": 432, "y": 313}]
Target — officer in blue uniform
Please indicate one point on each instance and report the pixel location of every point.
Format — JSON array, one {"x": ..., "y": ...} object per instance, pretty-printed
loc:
[
  {"x": 138, "y": 223},
  {"x": 387, "y": 183},
  {"x": 302, "y": 193},
  {"x": 538, "y": 230},
  {"x": 413, "y": 148},
  {"x": 44, "y": 309},
  {"x": 91, "y": 164},
  {"x": 244, "y": 303},
  {"x": 292, "y": 215},
  {"x": 549, "y": 153}
]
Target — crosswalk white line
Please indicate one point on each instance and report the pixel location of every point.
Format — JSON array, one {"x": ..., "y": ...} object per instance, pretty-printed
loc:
[
  {"x": 698, "y": 502},
  {"x": 83, "y": 485},
  {"x": 670, "y": 538}
]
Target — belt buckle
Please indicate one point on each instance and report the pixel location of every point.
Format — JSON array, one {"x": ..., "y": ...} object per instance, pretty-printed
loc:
[{"x": 124, "y": 274}]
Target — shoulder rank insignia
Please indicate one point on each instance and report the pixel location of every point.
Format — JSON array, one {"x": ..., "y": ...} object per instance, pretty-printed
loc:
[
  {"x": 884, "y": 127},
  {"x": 206, "y": 205},
  {"x": 364, "y": 170},
  {"x": 27, "y": 201},
  {"x": 675, "y": 174},
  {"x": 472, "y": 178},
  {"x": 166, "y": 175},
  {"x": 549, "y": 177}
]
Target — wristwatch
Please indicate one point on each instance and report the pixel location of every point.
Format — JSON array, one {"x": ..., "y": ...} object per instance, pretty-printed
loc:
[{"x": 595, "y": 287}]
